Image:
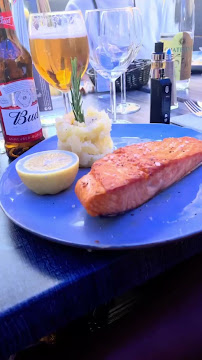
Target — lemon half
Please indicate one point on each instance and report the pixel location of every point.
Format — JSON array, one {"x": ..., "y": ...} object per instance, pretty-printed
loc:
[{"x": 48, "y": 172}]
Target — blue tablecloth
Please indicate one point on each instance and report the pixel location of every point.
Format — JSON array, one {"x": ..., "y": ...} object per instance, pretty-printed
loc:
[{"x": 56, "y": 284}]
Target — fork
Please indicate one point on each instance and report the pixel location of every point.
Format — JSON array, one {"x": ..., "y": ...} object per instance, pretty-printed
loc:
[{"x": 195, "y": 109}]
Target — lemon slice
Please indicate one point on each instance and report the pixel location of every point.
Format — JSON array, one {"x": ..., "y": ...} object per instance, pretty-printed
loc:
[{"x": 48, "y": 172}]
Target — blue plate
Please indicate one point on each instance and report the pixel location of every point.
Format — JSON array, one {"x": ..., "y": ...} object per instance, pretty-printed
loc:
[{"x": 171, "y": 215}]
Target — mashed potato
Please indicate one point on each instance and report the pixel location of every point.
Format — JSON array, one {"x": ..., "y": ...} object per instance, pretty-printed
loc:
[{"x": 90, "y": 140}]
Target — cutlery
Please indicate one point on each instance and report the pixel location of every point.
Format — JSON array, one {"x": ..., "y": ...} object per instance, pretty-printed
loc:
[
  {"x": 199, "y": 103},
  {"x": 193, "y": 107}
]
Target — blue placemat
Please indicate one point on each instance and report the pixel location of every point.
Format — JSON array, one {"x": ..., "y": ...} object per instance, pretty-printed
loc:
[{"x": 188, "y": 120}]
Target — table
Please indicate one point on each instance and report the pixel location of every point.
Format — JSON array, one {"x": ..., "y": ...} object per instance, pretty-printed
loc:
[{"x": 44, "y": 286}]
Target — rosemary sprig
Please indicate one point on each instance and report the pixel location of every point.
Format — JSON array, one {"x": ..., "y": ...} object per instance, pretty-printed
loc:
[{"x": 75, "y": 93}]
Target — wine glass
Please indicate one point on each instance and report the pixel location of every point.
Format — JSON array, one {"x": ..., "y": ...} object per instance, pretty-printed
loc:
[
  {"x": 131, "y": 107},
  {"x": 111, "y": 36},
  {"x": 56, "y": 38}
]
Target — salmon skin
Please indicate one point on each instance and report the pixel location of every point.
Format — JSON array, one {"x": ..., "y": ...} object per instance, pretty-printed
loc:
[{"x": 132, "y": 175}]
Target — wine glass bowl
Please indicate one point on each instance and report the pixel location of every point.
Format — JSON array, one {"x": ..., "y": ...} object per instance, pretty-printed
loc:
[
  {"x": 55, "y": 39},
  {"x": 111, "y": 37},
  {"x": 137, "y": 75}
]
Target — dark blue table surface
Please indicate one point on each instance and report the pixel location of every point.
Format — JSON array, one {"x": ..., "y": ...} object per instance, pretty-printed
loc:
[{"x": 43, "y": 286}]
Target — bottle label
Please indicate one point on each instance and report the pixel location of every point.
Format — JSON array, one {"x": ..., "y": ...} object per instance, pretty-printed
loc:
[
  {"x": 181, "y": 45},
  {"x": 19, "y": 111},
  {"x": 6, "y": 20}
]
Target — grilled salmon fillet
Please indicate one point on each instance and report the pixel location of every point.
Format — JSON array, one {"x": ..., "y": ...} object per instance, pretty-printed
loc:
[{"x": 133, "y": 174}]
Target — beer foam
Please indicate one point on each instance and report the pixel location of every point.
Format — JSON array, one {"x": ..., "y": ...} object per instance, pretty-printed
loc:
[{"x": 58, "y": 33}]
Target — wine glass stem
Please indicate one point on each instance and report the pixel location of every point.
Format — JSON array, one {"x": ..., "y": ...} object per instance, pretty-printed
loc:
[
  {"x": 113, "y": 99},
  {"x": 66, "y": 99},
  {"x": 123, "y": 89}
]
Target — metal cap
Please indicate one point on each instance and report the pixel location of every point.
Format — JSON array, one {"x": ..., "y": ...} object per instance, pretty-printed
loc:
[{"x": 158, "y": 54}]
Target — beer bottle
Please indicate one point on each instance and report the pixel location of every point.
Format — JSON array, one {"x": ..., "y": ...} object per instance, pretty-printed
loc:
[{"x": 19, "y": 113}]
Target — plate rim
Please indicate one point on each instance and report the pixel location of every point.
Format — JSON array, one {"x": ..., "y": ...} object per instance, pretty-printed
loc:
[{"x": 99, "y": 247}]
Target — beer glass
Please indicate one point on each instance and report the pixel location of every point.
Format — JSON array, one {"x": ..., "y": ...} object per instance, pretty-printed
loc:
[
  {"x": 55, "y": 39},
  {"x": 111, "y": 37}
]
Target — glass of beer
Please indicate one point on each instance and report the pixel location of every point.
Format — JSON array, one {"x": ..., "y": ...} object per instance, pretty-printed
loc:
[{"x": 55, "y": 39}]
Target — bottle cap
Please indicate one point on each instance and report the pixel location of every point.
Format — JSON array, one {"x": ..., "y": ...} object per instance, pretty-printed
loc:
[
  {"x": 159, "y": 47},
  {"x": 159, "y": 54}
]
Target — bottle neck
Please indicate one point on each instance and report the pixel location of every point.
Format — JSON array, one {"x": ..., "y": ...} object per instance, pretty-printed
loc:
[
  {"x": 4, "y": 6},
  {"x": 15, "y": 58},
  {"x": 7, "y": 27}
]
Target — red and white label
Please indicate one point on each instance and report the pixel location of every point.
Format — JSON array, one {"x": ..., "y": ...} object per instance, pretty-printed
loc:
[
  {"x": 19, "y": 112},
  {"x": 6, "y": 20}
]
